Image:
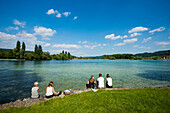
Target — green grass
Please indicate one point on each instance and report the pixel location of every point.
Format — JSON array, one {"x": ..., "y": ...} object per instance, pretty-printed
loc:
[{"x": 118, "y": 101}]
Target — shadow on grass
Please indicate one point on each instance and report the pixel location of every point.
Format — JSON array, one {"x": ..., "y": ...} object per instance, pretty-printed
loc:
[
  {"x": 156, "y": 75},
  {"x": 16, "y": 84}
]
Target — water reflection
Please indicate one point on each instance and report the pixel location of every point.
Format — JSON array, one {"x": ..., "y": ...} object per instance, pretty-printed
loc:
[
  {"x": 156, "y": 75},
  {"x": 16, "y": 84}
]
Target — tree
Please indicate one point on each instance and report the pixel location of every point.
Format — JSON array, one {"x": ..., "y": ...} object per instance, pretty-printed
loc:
[
  {"x": 2, "y": 54},
  {"x": 40, "y": 52},
  {"x": 63, "y": 51},
  {"x": 36, "y": 49},
  {"x": 17, "y": 50},
  {"x": 22, "y": 50},
  {"x": 18, "y": 45}
]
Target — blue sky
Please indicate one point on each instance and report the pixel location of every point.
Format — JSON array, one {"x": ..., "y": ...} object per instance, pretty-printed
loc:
[{"x": 86, "y": 27}]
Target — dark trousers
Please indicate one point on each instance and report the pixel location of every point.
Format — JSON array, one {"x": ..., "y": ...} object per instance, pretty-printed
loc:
[
  {"x": 53, "y": 95},
  {"x": 91, "y": 85},
  {"x": 107, "y": 86}
]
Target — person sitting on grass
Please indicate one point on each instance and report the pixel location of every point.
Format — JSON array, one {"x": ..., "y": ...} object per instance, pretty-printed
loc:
[
  {"x": 35, "y": 91},
  {"x": 50, "y": 92},
  {"x": 91, "y": 82},
  {"x": 108, "y": 81},
  {"x": 100, "y": 81}
]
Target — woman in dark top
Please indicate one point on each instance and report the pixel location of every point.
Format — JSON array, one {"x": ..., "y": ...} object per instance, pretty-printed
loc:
[{"x": 91, "y": 82}]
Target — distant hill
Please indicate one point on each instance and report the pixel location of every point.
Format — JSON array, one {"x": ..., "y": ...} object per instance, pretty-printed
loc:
[
  {"x": 94, "y": 57},
  {"x": 154, "y": 54}
]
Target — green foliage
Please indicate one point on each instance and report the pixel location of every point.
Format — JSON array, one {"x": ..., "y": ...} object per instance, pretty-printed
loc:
[
  {"x": 29, "y": 56},
  {"x": 137, "y": 58},
  {"x": 80, "y": 57},
  {"x": 18, "y": 47},
  {"x": 155, "y": 54},
  {"x": 64, "y": 55},
  {"x": 102, "y": 101},
  {"x": 22, "y": 51},
  {"x": 118, "y": 56}
]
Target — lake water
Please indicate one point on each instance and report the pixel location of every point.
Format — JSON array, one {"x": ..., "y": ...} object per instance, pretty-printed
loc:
[{"x": 17, "y": 77}]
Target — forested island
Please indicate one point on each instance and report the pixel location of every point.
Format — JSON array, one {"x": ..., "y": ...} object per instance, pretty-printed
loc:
[{"x": 20, "y": 53}]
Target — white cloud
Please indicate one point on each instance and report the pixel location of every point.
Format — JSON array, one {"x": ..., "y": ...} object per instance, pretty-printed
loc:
[
  {"x": 12, "y": 28},
  {"x": 50, "y": 11},
  {"x": 66, "y": 14},
  {"x": 138, "y": 29},
  {"x": 169, "y": 37},
  {"x": 130, "y": 40},
  {"x": 147, "y": 39},
  {"x": 162, "y": 43},
  {"x": 44, "y": 31},
  {"x": 92, "y": 46},
  {"x": 135, "y": 34},
  {"x": 113, "y": 37},
  {"x": 119, "y": 44},
  {"x": 135, "y": 46},
  {"x": 104, "y": 44},
  {"x": 127, "y": 41},
  {"x": 24, "y": 34},
  {"x": 84, "y": 42},
  {"x": 66, "y": 46},
  {"x": 79, "y": 41},
  {"x": 158, "y": 29},
  {"x": 58, "y": 15},
  {"x": 16, "y": 22},
  {"x": 47, "y": 44},
  {"x": 28, "y": 38},
  {"x": 141, "y": 47},
  {"x": 4, "y": 36},
  {"x": 75, "y": 18},
  {"x": 45, "y": 38}
]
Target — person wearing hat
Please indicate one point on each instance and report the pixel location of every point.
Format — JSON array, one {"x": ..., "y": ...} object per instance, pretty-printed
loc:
[
  {"x": 108, "y": 81},
  {"x": 35, "y": 91}
]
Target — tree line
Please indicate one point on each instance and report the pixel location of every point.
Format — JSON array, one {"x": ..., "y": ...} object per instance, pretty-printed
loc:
[
  {"x": 118, "y": 56},
  {"x": 38, "y": 54}
]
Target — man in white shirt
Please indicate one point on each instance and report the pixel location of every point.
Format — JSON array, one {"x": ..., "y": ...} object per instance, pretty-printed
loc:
[{"x": 100, "y": 81}]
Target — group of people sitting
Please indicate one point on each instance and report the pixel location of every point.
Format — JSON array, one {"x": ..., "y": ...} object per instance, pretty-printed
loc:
[
  {"x": 100, "y": 82},
  {"x": 50, "y": 92}
]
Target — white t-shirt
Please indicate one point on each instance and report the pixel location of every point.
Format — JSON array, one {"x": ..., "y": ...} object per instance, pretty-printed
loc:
[
  {"x": 109, "y": 81},
  {"x": 34, "y": 92},
  {"x": 49, "y": 91},
  {"x": 100, "y": 82}
]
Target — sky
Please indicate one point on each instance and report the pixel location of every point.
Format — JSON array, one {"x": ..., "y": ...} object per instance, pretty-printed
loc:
[{"x": 86, "y": 27}]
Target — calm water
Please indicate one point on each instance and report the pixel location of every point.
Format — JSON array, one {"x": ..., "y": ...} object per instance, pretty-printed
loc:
[{"x": 17, "y": 77}]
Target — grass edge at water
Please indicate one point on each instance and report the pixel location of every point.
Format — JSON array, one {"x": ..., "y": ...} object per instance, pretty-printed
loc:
[{"x": 129, "y": 100}]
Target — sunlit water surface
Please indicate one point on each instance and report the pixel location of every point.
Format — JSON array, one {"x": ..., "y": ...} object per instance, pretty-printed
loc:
[{"x": 17, "y": 77}]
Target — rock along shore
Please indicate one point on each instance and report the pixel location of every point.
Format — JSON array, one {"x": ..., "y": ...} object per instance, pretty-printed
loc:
[{"x": 28, "y": 102}]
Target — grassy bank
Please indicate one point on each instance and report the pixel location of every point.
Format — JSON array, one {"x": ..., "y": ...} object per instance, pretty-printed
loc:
[{"x": 131, "y": 100}]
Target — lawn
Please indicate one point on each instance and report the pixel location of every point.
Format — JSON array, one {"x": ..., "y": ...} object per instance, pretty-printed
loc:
[{"x": 118, "y": 101}]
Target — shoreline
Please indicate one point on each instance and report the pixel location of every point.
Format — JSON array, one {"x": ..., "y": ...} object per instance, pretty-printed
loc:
[
  {"x": 26, "y": 102},
  {"x": 79, "y": 59}
]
